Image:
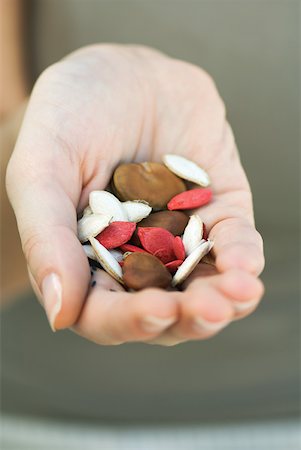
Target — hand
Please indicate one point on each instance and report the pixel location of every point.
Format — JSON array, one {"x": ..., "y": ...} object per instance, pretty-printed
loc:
[{"x": 105, "y": 104}]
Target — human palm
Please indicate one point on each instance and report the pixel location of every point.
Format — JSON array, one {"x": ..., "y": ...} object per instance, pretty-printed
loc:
[{"x": 99, "y": 106}]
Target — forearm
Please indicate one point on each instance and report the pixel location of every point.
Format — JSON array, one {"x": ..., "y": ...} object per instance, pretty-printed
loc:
[
  {"x": 13, "y": 82},
  {"x": 14, "y": 277}
]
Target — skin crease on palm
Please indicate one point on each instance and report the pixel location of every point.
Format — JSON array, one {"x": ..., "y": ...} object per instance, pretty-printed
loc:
[{"x": 105, "y": 104}]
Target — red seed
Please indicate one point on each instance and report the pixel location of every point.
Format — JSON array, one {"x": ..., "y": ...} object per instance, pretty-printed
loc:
[
  {"x": 172, "y": 266},
  {"x": 155, "y": 239},
  {"x": 116, "y": 234},
  {"x": 178, "y": 248},
  {"x": 165, "y": 255},
  {"x": 190, "y": 199},
  {"x": 131, "y": 248}
]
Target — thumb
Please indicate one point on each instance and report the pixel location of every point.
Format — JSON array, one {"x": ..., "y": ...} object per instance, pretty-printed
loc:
[{"x": 46, "y": 218}]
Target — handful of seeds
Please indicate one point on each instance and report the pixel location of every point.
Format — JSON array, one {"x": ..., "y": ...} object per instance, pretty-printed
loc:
[{"x": 140, "y": 235}]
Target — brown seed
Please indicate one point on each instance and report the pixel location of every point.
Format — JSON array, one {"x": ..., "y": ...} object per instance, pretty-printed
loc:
[
  {"x": 148, "y": 181},
  {"x": 141, "y": 270},
  {"x": 173, "y": 221}
]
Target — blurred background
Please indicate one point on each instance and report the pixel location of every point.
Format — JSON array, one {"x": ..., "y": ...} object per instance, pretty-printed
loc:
[{"x": 250, "y": 373}]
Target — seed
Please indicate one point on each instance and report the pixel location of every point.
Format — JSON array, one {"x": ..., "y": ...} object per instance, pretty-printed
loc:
[
  {"x": 136, "y": 210},
  {"x": 88, "y": 249},
  {"x": 191, "y": 262},
  {"x": 195, "y": 198},
  {"x": 178, "y": 248},
  {"x": 131, "y": 248},
  {"x": 106, "y": 260},
  {"x": 116, "y": 254},
  {"x": 87, "y": 211},
  {"x": 141, "y": 270},
  {"x": 148, "y": 181},
  {"x": 173, "y": 221},
  {"x": 165, "y": 255},
  {"x": 186, "y": 169},
  {"x": 157, "y": 241},
  {"x": 172, "y": 266},
  {"x": 91, "y": 225},
  {"x": 193, "y": 234},
  {"x": 125, "y": 255},
  {"x": 116, "y": 234},
  {"x": 103, "y": 202}
]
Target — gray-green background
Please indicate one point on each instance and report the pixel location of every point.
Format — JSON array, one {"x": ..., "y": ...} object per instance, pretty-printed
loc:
[{"x": 251, "y": 48}]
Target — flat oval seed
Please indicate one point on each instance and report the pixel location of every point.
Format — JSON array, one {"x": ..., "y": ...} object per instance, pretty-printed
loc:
[
  {"x": 136, "y": 210},
  {"x": 87, "y": 211},
  {"x": 106, "y": 260},
  {"x": 141, "y": 270},
  {"x": 88, "y": 249},
  {"x": 91, "y": 225},
  {"x": 193, "y": 234},
  {"x": 191, "y": 262},
  {"x": 103, "y": 202},
  {"x": 117, "y": 254},
  {"x": 148, "y": 181},
  {"x": 187, "y": 169}
]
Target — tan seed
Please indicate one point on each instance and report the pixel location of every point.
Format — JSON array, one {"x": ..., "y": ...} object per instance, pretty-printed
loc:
[
  {"x": 148, "y": 181},
  {"x": 141, "y": 270}
]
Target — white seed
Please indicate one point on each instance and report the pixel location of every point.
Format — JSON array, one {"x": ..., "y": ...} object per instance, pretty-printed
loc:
[
  {"x": 107, "y": 261},
  {"x": 88, "y": 249},
  {"x": 126, "y": 254},
  {"x": 103, "y": 202},
  {"x": 186, "y": 169},
  {"x": 193, "y": 234},
  {"x": 191, "y": 262},
  {"x": 87, "y": 211},
  {"x": 136, "y": 210},
  {"x": 117, "y": 254},
  {"x": 91, "y": 225}
]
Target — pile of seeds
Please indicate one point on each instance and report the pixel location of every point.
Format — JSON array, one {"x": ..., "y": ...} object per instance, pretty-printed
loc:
[{"x": 140, "y": 235}]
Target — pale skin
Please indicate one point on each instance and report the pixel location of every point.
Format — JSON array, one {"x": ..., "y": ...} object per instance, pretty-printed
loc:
[{"x": 107, "y": 104}]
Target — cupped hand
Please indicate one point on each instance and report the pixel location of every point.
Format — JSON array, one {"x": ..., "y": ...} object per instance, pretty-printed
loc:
[{"x": 105, "y": 104}]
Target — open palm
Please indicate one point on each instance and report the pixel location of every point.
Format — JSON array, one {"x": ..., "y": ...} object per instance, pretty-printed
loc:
[{"x": 99, "y": 106}]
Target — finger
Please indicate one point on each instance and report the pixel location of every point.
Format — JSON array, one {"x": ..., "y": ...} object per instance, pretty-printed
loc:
[
  {"x": 243, "y": 289},
  {"x": 112, "y": 317},
  {"x": 204, "y": 312},
  {"x": 237, "y": 245},
  {"x": 210, "y": 303},
  {"x": 43, "y": 194}
]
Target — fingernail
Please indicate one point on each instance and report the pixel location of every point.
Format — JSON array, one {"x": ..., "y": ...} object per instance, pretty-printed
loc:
[
  {"x": 205, "y": 325},
  {"x": 244, "y": 306},
  {"x": 153, "y": 324},
  {"x": 52, "y": 297}
]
